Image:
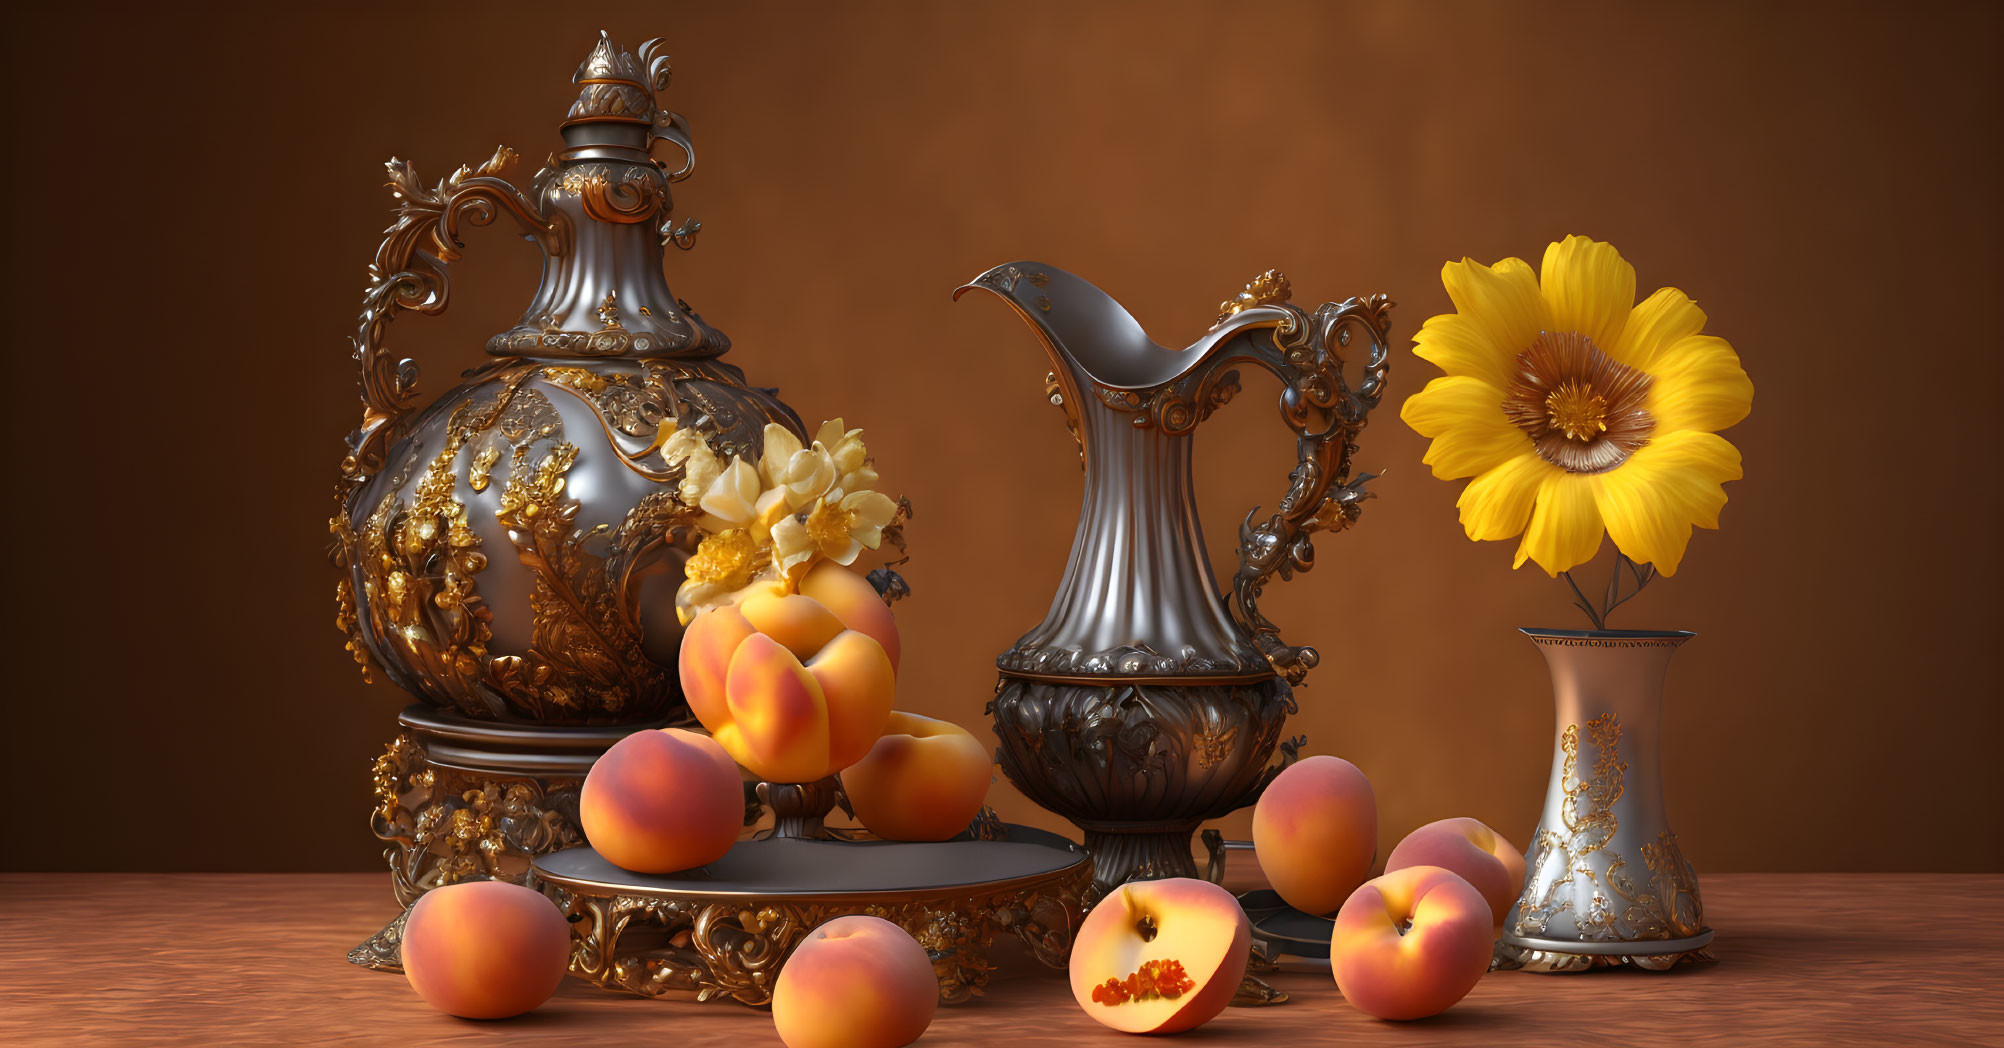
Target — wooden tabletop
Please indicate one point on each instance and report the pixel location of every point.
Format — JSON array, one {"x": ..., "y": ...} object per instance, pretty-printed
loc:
[{"x": 226, "y": 959}]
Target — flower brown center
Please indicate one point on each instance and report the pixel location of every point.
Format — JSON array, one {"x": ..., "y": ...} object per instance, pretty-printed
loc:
[
  {"x": 1581, "y": 408},
  {"x": 1577, "y": 411}
]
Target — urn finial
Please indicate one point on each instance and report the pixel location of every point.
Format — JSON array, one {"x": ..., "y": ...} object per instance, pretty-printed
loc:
[{"x": 620, "y": 86}]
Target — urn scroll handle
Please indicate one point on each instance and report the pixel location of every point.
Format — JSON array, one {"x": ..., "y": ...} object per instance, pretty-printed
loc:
[
  {"x": 1317, "y": 402},
  {"x": 409, "y": 272}
]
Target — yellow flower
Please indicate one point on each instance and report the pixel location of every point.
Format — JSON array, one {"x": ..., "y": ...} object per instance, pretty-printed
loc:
[
  {"x": 850, "y": 457},
  {"x": 768, "y": 523},
  {"x": 802, "y": 474},
  {"x": 836, "y": 529},
  {"x": 1578, "y": 411}
]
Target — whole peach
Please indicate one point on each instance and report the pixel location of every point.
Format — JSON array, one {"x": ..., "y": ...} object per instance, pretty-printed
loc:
[
  {"x": 924, "y": 780},
  {"x": 855, "y": 982},
  {"x": 1474, "y": 852},
  {"x": 786, "y": 687},
  {"x": 853, "y": 600},
  {"x": 485, "y": 949},
  {"x": 661, "y": 801},
  {"x": 1160, "y": 956},
  {"x": 1410, "y": 944},
  {"x": 1315, "y": 831}
]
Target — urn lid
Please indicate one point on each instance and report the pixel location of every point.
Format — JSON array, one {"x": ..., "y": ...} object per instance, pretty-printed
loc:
[{"x": 603, "y": 293}]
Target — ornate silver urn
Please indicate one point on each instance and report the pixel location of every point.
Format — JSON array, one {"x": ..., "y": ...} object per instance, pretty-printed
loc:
[
  {"x": 1145, "y": 703},
  {"x": 509, "y": 552}
]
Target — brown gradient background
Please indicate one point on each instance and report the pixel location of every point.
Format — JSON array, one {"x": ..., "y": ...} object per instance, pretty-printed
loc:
[{"x": 191, "y": 201}]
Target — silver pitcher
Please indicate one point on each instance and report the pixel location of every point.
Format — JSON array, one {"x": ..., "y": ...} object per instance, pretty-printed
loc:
[{"x": 1146, "y": 703}]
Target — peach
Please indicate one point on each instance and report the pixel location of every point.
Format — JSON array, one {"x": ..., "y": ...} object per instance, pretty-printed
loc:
[
  {"x": 1315, "y": 831},
  {"x": 924, "y": 780},
  {"x": 855, "y": 982},
  {"x": 1474, "y": 852},
  {"x": 1409, "y": 944},
  {"x": 485, "y": 949},
  {"x": 857, "y": 603},
  {"x": 661, "y": 801},
  {"x": 788, "y": 688},
  {"x": 1160, "y": 956}
]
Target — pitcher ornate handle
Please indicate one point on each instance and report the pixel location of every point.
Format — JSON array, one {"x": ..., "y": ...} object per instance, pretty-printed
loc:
[
  {"x": 1304, "y": 351},
  {"x": 410, "y": 273}
]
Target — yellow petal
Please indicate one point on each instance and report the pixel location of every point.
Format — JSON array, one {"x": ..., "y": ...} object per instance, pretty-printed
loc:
[
  {"x": 1500, "y": 301},
  {"x": 779, "y": 448},
  {"x": 1459, "y": 345},
  {"x": 1698, "y": 385},
  {"x": 872, "y": 509},
  {"x": 1651, "y": 501},
  {"x": 733, "y": 493},
  {"x": 830, "y": 433},
  {"x": 1497, "y": 504},
  {"x": 1657, "y": 321},
  {"x": 1588, "y": 288},
  {"x": 1464, "y": 415},
  {"x": 1565, "y": 528},
  {"x": 771, "y": 508}
]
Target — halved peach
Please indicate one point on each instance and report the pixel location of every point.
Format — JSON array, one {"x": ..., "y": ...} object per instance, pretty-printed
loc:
[{"x": 1160, "y": 956}]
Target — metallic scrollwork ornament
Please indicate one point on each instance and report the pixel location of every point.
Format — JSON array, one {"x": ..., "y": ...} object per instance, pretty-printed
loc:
[
  {"x": 731, "y": 948},
  {"x": 444, "y": 825}
]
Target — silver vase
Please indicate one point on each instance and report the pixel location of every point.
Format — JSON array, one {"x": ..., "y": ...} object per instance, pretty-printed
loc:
[{"x": 1605, "y": 882}]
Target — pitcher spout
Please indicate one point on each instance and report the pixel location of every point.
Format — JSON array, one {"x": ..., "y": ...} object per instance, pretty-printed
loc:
[{"x": 1085, "y": 330}]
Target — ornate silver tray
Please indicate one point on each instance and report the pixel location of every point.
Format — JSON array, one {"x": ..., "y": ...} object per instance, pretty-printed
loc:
[{"x": 721, "y": 932}]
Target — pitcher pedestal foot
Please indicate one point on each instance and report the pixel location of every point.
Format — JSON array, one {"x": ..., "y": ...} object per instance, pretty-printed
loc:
[{"x": 1144, "y": 851}]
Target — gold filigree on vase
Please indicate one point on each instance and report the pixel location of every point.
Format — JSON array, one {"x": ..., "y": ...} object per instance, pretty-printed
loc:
[{"x": 1582, "y": 414}]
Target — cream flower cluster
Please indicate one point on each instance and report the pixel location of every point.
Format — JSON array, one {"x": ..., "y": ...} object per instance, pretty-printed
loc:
[{"x": 772, "y": 521}]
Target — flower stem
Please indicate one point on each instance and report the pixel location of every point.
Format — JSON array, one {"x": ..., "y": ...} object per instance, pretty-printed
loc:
[
  {"x": 1580, "y": 601},
  {"x": 1614, "y": 598}
]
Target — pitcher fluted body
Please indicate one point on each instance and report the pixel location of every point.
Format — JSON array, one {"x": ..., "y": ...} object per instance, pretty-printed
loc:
[{"x": 1145, "y": 703}]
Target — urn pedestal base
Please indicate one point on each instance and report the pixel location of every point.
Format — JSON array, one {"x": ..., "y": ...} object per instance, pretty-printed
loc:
[{"x": 461, "y": 800}]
